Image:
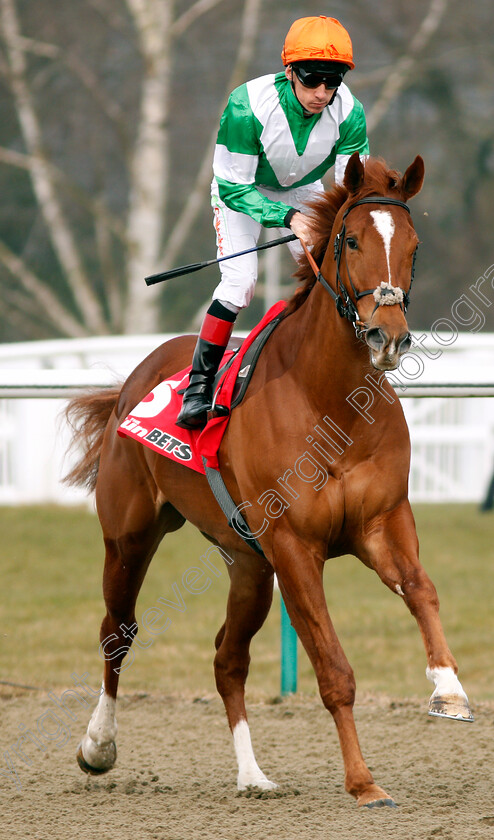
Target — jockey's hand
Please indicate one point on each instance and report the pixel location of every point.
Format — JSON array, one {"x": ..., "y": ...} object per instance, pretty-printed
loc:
[{"x": 301, "y": 226}]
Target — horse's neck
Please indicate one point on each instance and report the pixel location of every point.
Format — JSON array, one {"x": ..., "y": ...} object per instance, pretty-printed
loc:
[{"x": 326, "y": 352}]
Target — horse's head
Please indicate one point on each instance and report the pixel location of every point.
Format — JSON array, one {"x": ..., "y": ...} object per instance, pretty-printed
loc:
[{"x": 374, "y": 250}]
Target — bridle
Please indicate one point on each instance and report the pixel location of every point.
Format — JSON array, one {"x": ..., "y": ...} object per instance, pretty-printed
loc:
[{"x": 346, "y": 307}]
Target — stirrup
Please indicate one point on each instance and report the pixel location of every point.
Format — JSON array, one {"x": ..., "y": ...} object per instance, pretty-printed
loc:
[{"x": 218, "y": 411}]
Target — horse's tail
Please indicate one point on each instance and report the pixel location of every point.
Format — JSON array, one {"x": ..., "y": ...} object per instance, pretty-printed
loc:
[{"x": 88, "y": 416}]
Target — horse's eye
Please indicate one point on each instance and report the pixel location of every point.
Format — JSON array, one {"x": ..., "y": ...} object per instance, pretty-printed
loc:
[{"x": 352, "y": 243}]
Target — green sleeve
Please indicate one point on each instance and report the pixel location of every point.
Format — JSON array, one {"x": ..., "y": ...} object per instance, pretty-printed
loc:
[
  {"x": 236, "y": 160},
  {"x": 247, "y": 199}
]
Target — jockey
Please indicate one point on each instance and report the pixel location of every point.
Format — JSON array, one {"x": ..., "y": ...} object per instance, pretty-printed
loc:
[{"x": 278, "y": 136}]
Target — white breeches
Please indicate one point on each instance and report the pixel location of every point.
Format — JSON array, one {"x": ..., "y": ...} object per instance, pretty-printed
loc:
[{"x": 238, "y": 232}]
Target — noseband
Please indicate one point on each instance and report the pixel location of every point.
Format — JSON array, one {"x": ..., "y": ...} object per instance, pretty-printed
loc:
[{"x": 384, "y": 294}]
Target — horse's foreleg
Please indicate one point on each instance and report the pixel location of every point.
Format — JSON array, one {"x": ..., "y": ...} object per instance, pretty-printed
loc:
[
  {"x": 249, "y": 600},
  {"x": 391, "y": 549},
  {"x": 300, "y": 578}
]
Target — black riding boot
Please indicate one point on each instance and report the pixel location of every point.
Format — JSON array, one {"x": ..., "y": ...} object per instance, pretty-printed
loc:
[{"x": 211, "y": 344}]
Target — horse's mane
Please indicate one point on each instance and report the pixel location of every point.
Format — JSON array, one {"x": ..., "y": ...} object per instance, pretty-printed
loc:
[{"x": 379, "y": 180}]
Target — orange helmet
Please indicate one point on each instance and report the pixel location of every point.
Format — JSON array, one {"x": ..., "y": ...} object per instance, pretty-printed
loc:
[{"x": 317, "y": 39}]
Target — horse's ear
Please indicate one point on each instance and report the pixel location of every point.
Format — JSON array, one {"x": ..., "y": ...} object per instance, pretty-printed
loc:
[
  {"x": 354, "y": 174},
  {"x": 413, "y": 178}
]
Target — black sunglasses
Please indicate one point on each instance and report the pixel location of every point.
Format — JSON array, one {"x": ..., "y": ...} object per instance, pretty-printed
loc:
[{"x": 313, "y": 80}]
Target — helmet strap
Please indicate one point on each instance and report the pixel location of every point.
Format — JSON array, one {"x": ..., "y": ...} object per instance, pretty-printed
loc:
[{"x": 332, "y": 98}]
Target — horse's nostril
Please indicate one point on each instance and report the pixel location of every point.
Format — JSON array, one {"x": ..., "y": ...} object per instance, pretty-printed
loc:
[
  {"x": 376, "y": 338},
  {"x": 405, "y": 344}
]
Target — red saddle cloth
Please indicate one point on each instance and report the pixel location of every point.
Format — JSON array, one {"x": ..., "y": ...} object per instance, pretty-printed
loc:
[{"x": 152, "y": 422}]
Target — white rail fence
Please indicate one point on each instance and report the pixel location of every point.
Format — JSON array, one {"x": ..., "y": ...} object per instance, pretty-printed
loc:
[{"x": 452, "y": 430}]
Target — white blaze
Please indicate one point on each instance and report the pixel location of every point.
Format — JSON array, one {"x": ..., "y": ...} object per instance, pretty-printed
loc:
[{"x": 385, "y": 225}]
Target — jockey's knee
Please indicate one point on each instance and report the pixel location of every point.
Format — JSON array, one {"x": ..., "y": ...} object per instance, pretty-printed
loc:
[{"x": 237, "y": 286}]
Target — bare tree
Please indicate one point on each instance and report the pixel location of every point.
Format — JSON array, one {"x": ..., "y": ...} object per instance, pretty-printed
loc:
[
  {"x": 105, "y": 177},
  {"x": 106, "y": 305},
  {"x": 399, "y": 75},
  {"x": 44, "y": 183}
]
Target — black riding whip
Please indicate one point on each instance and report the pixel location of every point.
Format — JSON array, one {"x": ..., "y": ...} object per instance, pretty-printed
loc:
[{"x": 188, "y": 269}]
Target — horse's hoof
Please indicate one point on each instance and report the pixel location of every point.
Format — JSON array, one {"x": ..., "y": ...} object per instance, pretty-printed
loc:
[
  {"x": 256, "y": 780},
  {"x": 381, "y": 803},
  {"x": 102, "y": 762},
  {"x": 86, "y": 768},
  {"x": 259, "y": 784},
  {"x": 375, "y": 797},
  {"x": 452, "y": 706}
]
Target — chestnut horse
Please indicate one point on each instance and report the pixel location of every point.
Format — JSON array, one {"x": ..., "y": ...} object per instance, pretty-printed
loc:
[{"x": 317, "y": 382}]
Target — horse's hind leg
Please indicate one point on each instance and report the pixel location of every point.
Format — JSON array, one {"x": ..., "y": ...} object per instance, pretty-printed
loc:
[
  {"x": 249, "y": 600},
  {"x": 133, "y": 525},
  {"x": 392, "y": 551}
]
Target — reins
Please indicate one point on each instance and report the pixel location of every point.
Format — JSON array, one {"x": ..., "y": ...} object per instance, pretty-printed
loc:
[{"x": 345, "y": 306}]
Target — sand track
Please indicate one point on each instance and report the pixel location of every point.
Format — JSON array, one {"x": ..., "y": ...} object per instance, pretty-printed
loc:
[{"x": 175, "y": 775}]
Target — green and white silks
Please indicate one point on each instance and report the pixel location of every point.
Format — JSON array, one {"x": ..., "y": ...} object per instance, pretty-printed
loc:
[
  {"x": 270, "y": 156},
  {"x": 266, "y": 140}
]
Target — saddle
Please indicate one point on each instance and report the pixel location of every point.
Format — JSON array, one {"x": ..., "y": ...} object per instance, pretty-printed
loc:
[{"x": 152, "y": 422}]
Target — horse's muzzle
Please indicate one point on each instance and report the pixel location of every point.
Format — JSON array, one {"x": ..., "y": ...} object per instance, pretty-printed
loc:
[{"x": 386, "y": 351}]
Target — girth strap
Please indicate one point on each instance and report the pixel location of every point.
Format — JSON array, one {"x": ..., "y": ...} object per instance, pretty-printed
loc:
[{"x": 229, "y": 508}]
